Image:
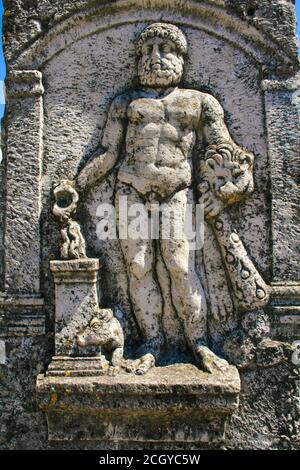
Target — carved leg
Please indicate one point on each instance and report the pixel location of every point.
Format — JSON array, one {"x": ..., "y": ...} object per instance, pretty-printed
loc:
[
  {"x": 146, "y": 363},
  {"x": 117, "y": 357},
  {"x": 140, "y": 366},
  {"x": 64, "y": 251},
  {"x": 143, "y": 289},
  {"x": 116, "y": 361},
  {"x": 187, "y": 293},
  {"x": 209, "y": 361},
  {"x": 77, "y": 246}
]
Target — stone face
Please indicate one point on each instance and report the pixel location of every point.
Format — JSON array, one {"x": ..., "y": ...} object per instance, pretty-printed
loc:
[{"x": 166, "y": 105}]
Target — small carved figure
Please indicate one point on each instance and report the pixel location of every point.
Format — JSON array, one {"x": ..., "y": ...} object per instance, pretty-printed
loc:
[
  {"x": 73, "y": 243},
  {"x": 104, "y": 331}
]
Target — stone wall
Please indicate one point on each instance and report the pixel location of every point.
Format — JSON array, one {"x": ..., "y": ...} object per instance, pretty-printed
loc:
[{"x": 67, "y": 61}]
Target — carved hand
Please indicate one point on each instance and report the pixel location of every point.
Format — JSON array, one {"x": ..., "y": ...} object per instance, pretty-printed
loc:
[{"x": 213, "y": 206}]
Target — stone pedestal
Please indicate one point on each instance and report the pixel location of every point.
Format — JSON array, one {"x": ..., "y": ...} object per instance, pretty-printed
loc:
[
  {"x": 76, "y": 299},
  {"x": 66, "y": 366},
  {"x": 178, "y": 404}
]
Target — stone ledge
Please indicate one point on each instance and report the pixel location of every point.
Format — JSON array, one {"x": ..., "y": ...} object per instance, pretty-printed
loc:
[
  {"x": 21, "y": 302},
  {"x": 291, "y": 84},
  {"x": 168, "y": 404},
  {"x": 22, "y": 316},
  {"x": 75, "y": 265},
  {"x": 22, "y": 325},
  {"x": 24, "y": 83},
  {"x": 66, "y": 366},
  {"x": 77, "y": 271},
  {"x": 285, "y": 307},
  {"x": 285, "y": 291}
]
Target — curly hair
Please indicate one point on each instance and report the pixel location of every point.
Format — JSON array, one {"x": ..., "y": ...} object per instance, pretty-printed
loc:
[{"x": 165, "y": 31}]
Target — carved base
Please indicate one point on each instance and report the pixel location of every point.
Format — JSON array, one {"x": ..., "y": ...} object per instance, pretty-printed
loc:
[
  {"x": 76, "y": 300},
  {"x": 64, "y": 366},
  {"x": 178, "y": 403}
]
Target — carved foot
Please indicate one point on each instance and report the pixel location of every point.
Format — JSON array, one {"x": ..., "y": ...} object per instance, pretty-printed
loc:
[
  {"x": 142, "y": 365},
  {"x": 209, "y": 361},
  {"x": 146, "y": 363},
  {"x": 113, "y": 371},
  {"x": 147, "y": 354}
]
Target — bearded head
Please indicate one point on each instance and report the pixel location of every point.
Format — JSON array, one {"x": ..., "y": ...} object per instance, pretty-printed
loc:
[{"x": 160, "y": 50}]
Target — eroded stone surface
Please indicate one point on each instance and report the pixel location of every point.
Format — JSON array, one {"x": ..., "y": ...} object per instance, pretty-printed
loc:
[
  {"x": 26, "y": 21},
  {"x": 154, "y": 131},
  {"x": 132, "y": 406},
  {"x": 76, "y": 300},
  {"x": 73, "y": 244},
  {"x": 73, "y": 64}
]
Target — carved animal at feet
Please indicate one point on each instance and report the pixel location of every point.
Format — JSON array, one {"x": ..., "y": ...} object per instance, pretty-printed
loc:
[{"x": 105, "y": 331}]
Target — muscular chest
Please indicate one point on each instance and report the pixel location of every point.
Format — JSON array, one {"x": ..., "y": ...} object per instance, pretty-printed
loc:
[{"x": 145, "y": 111}]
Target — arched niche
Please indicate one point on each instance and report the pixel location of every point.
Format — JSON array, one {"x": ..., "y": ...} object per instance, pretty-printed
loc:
[
  {"x": 211, "y": 16},
  {"x": 90, "y": 58}
]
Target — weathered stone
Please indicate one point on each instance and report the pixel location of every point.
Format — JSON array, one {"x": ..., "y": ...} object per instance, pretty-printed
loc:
[
  {"x": 28, "y": 21},
  {"x": 165, "y": 104},
  {"x": 73, "y": 244},
  {"x": 23, "y": 176},
  {"x": 282, "y": 115},
  {"x": 175, "y": 403},
  {"x": 76, "y": 300}
]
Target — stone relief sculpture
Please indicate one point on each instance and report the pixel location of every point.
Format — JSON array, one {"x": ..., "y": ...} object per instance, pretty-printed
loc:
[
  {"x": 104, "y": 332},
  {"x": 151, "y": 135},
  {"x": 73, "y": 243},
  {"x": 116, "y": 342},
  {"x": 227, "y": 178}
]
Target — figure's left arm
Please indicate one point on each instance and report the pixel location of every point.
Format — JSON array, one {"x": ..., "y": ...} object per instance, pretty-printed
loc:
[
  {"x": 226, "y": 177},
  {"x": 226, "y": 173}
]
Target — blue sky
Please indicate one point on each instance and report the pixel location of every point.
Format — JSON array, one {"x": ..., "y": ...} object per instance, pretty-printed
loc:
[
  {"x": 2, "y": 69},
  {"x": 298, "y": 16},
  {"x": 2, "y": 63}
]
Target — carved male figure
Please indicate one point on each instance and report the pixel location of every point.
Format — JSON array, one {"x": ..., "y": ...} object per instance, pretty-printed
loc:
[{"x": 156, "y": 128}]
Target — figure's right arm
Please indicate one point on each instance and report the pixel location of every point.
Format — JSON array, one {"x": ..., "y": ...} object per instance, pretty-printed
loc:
[
  {"x": 227, "y": 170},
  {"x": 101, "y": 164}
]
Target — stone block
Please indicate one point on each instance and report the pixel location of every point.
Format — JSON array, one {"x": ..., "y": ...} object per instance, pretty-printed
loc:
[
  {"x": 172, "y": 404},
  {"x": 76, "y": 299}
]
